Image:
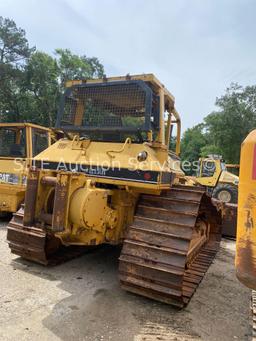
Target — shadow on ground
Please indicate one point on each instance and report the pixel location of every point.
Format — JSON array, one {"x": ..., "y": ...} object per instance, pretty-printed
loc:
[
  {"x": 4, "y": 220},
  {"x": 95, "y": 308}
]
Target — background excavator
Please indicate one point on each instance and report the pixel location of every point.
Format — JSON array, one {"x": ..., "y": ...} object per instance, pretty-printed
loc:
[
  {"x": 246, "y": 222},
  {"x": 220, "y": 183},
  {"x": 113, "y": 180},
  {"x": 19, "y": 143}
]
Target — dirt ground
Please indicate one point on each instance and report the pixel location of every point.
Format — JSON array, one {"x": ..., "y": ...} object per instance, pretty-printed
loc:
[{"x": 81, "y": 300}]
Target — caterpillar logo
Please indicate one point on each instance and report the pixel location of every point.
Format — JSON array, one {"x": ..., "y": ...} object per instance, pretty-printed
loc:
[
  {"x": 4, "y": 177},
  {"x": 9, "y": 178}
]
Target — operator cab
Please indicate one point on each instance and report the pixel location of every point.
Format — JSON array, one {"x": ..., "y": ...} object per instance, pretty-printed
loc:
[
  {"x": 110, "y": 110},
  {"x": 15, "y": 140},
  {"x": 19, "y": 142},
  {"x": 12, "y": 142}
]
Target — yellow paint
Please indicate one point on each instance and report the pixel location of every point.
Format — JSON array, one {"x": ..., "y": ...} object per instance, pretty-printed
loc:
[
  {"x": 120, "y": 155},
  {"x": 161, "y": 137},
  {"x": 79, "y": 113},
  {"x": 93, "y": 220},
  {"x": 12, "y": 194},
  {"x": 89, "y": 207},
  {"x": 99, "y": 208},
  {"x": 246, "y": 223},
  {"x": 167, "y": 102},
  {"x": 228, "y": 178},
  {"x": 219, "y": 176}
]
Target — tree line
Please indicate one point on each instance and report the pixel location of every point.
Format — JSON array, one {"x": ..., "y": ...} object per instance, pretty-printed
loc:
[
  {"x": 31, "y": 83},
  {"x": 223, "y": 130}
]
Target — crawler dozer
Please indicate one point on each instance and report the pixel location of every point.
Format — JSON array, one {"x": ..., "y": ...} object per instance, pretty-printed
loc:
[
  {"x": 113, "y": 180},
  {"x": 19, "y": 143}
]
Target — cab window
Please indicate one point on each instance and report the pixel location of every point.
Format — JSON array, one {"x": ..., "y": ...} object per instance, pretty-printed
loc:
[
  {"x": 40, "y": 141},
  {"x": 223, "y": 166},
  {"x": 208, "y": 168},
  {"x": 12, "y": 142}
]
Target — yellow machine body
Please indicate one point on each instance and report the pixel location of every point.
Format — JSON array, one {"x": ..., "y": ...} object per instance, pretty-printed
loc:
[
  {"x": 113, "y": 179},
  {"x": 228, "y": 178},
  {"x": 98, "y": 215},
  {"x": 102, "y": 180},
  {"x": 213, "y": 171},
  {"x": 213, "y": 175},
  {"x": 19, "y": 143},
  {"x": 246, "y": 223}
]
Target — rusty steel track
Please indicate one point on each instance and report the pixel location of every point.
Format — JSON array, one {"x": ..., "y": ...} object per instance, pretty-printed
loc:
[
  {"x": 34, "y": 244},
  {"x": 164, "y": 256}
]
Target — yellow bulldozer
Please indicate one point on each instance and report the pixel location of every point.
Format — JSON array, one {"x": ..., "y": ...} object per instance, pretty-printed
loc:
[
  {"x": 113, "y": 180},
  {"x": 19, "y": 143},
  {"x": 220, "y": 183}
]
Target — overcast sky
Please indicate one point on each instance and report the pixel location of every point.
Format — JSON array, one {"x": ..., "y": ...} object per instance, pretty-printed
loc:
[{"x": 195, "y": 47}]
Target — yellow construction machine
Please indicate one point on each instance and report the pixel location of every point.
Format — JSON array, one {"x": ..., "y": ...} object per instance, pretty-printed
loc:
[
  {"x": 220, "y": 183},
  {"x": 19, "y": 143},
  {"x": 113, "y": 180},
  {"x": 246, "y": 222}
]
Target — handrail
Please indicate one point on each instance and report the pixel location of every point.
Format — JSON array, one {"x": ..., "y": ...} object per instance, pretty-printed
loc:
[{"x": 127, "y": 141}]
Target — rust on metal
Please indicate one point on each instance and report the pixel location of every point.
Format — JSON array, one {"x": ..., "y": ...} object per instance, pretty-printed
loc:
[
  {"x": 246, "y": 262},
  {"x": 156, "y": 260},
  {"x": 28, "y": 242},
  {"x": 31, "y": 197},
  {"x": 35, "y": 244},
  {"x": 229, "y": 217},
  {"x": 166, "y": 252},
  {"x": 249, "y": 206},
  {"x": 46, "y": 218},
  {"x": 60, "y": 203},
  {"x": 49, "y": 180}
]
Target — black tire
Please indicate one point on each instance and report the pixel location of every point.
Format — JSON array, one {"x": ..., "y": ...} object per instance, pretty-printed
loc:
[{"x": 230, "y": 189}]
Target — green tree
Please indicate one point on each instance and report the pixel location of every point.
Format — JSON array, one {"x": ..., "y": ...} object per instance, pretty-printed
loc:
[
  {"x": 72, "y": 66},
  {"x": 193, "y": 140},
  {"x": 45, "y": 80},
  {"x": 43, "y": 89},
  {"x": 32, "y": 82},
  {"x": 14, "y": 47},
  {"x": 210, "y": 149},
  {"x": 14, "y": 53},
  {"x": 223, "y": 130},
  {"x": 236, "y": 117}
]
